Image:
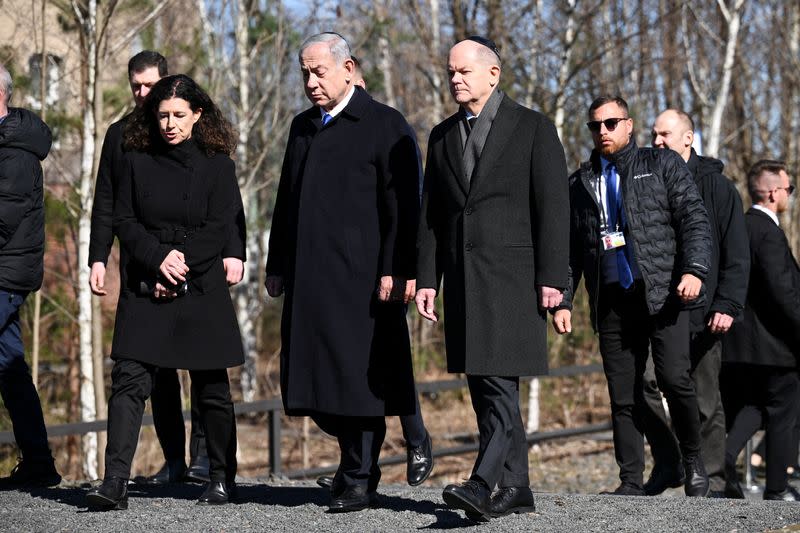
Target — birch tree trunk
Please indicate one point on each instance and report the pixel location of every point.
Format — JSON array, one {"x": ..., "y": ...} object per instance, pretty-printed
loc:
[
  {"x": 436, "y": 51},
  {"x": 563, "y": 71},
  {"x": 733, "y": 18},
  {"x": 86, "y": 360}
]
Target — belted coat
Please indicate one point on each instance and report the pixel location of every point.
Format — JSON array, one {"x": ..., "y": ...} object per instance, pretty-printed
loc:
[{"x": 176, "y": 198}]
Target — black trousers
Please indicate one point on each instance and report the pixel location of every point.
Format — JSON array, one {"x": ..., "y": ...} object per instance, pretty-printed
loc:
[
  {"x": 628, "y": 334},
  {"x": 132, "y": 383},
  {"x": 414, "y": 431},
  {"x": 168, "y": 417},
  {"x": 503, "y": 450},
  {"x": 705, "y": 351},
  {"x": 758, "y": 396},
  {"x": 360, "y": 440}
]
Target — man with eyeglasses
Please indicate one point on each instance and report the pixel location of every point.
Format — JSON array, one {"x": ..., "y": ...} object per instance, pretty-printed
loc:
[
  {"x": 495, "y": 227},
  {"x": 640, "y": 235},
  {"x": 726, "y": 289},
  {"x": 760, "y": 355}
]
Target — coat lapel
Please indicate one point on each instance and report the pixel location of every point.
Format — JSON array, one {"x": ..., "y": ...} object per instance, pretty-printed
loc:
[
  {"x": 453, "y": 153},
  {"x": 502, "y": 129}
]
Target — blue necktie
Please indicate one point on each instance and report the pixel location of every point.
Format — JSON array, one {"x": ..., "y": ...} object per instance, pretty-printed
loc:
[
  {"x": 614, "y": 201},
  {"x": 326, "y": 118}
]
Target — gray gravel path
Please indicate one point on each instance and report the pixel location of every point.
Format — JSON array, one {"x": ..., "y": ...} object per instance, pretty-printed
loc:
[{"x": 301, "y": 506}]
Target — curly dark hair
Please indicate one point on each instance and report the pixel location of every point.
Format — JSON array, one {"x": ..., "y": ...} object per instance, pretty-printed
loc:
[{"x": 213, "y": 133}]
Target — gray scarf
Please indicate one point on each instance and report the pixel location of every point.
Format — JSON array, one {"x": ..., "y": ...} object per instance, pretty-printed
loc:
[{"x": 473, "y": 141}]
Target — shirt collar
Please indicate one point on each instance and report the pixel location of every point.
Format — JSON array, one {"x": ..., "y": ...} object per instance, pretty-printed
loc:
[
  {"x": 772, "y": 215},
  {"x": 341, "y": 105}
]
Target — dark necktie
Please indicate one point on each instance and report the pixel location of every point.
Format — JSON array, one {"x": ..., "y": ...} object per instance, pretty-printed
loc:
[
  {"x": 471, "y": 123},
  {"x": 617, "y": 213}
]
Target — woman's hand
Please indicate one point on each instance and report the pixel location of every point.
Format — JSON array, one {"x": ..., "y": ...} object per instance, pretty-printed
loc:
[
  {"x": 174, "y": 267},
  {"x": 161, "y": 292}
]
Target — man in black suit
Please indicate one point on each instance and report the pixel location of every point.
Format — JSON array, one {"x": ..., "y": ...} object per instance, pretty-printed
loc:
[
  {"x": 726, "y": 289},
  {"x": 640, "y": 235},
  {"x": 759, "y": 372},
  {"x": 494, "y": 224},
  {"x": 342, "y": 248},
  {"x": 144, "y": 70}
]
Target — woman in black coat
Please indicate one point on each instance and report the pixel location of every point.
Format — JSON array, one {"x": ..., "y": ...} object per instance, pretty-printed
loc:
[{"x": 177, "y": 202}]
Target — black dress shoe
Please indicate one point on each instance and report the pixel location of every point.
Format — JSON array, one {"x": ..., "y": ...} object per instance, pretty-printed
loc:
[
  {"x": 510, "y": 500},
  {"x": 419, "y": 463},
  {"x": 733, "y": 490},
  {"x": 625, "y": 489},
  {"x": 326, "y": 482},
  {"x": 663, "y": 478},
  {"x": 352, "y": 498},
  {"x": 471, "y": 496},
  {"x": 172, "y": 472},
  {"x": 696, "y": 484},
  {"x": 32, "y": 473},
  {"x": 198, "y": 470},
  {"x": 112, "y": 494},
  {"x": 217, "y": 493},
  {"x": 789, "y": 494}
]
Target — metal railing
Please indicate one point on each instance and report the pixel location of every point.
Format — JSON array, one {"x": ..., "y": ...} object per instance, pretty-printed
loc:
[{"x": 273, "y": 407}]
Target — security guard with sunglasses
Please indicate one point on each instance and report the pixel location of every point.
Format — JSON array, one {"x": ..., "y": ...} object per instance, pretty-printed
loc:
[{"x": 640, "y": 234}]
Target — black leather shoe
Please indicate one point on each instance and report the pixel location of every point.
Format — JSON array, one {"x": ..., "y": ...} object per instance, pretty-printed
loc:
[
  {"x": 111, "y": 495},
  {"x": 419, "y": 463},
  {"x": 217, "y": 493},
  {"x": 471, "y": 496},
  {"x": 326, "y": 482},
  {"x": 510, "y": 500},
  {"x": 198, "y": 470},
  {"x": 172, "y": 472},
  {"x": 352, "y": 498},
  {"x": 733, "y": 490},
  {"x": 663, "y": 478},
  {"x": 625, "y": 489},
  {"x": 789, "y": 494},
  {"x": 696, "y": 484},
  {"x": 31, "y": 473}
]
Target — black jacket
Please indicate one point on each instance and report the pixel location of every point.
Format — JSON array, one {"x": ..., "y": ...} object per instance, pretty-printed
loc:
[
  {"x": 24, "y": 142},
  {"x": 105, "y": 190},
  {"x": 726, "y": 283},
  {"x": 769, "y": 333},
  {"x": 176, "y": 198},
  {"x": 494, "y": 239},
  {"x": 667, "y": 224}
]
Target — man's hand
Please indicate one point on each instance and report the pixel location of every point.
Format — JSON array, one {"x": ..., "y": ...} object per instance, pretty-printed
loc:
[
  {"x": 562, "y": 321},
  {"x": 97, "y": 279},
  {"x": 174, "y": 267},
  {"x": 425, "y": 304},
  {"x": 689, "y": 288},
  {"x": 161, "y": 292},
  {"x": 411, "y": 290},
  {"x": 549, "y": 297},
  {"x": 234, "y": 270},
  {"x": 720, "y": 323},
  {"x": 274, "y": 285}
]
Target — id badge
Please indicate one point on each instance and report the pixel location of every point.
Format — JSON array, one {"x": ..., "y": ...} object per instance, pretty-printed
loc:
[{"x": 613, "y": 240}]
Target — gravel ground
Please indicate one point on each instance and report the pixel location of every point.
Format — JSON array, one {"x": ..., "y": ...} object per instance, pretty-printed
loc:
[{"x": 301, "y": 506}]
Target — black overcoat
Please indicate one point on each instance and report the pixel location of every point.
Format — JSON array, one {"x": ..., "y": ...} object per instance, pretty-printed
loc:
[
  {"x": 769, "y": 333},
  {"x": 177, "y": 198},
  {"x": 345, "y": 215},
  {"x": 495, "y": 238}
]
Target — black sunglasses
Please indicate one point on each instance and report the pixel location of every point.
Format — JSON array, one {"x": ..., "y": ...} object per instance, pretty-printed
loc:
[
  {"x": 789, "y": 190},
  {"x": 609, "y": 123},
  {"x": 488, "y": 43}
]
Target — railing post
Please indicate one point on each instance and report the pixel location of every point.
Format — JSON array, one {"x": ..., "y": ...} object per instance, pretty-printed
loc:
[{"x": 275, "y": 442}]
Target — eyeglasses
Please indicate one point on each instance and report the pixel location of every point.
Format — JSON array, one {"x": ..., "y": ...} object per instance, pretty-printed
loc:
[
  {"x": 609, "y": 123},
  {"x": 789, "y": 190}
]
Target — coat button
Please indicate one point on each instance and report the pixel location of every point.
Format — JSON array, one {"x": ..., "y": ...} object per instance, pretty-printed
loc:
[
  {"x": 185, "y": 196},
  {"x": 469, "y": 211},
  {"x": 468, "y": 246}
]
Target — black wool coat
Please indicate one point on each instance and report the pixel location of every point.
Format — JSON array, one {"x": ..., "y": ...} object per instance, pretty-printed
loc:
[
  {"x": 495, "y": 239},
  {"x": 345, "y": 215},
  {"x": 24, "y": 142},
  {"x": 769, "y": 333},
  {"x": 112, "y": 165},
  {"x": 177, "y": 198}
]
